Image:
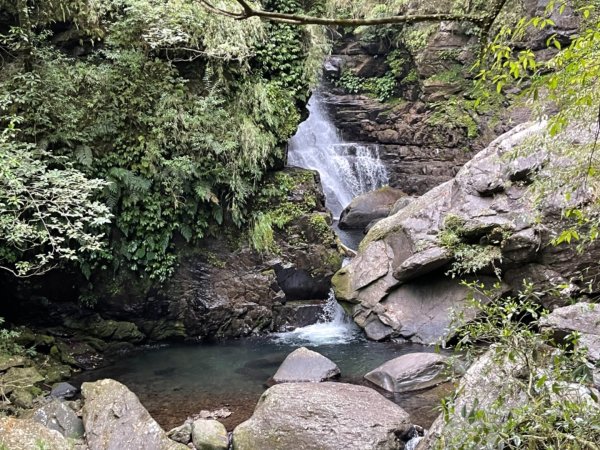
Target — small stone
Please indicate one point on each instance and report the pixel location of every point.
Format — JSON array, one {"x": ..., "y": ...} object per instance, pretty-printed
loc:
[
  {"x": 6, "y": 362},
  {"x": 64, "y": 390},
  {"x": 23, "y": 398},
  {"x": 208, "y": 434},
  {"x": 181, "y": 434},
  {"x": 20, "y": 378}
]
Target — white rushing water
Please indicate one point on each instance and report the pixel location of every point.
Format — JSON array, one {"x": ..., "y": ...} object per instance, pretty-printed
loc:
[
  {"x": 333, "y": 327},
  {"x": 346, "y": 169}
]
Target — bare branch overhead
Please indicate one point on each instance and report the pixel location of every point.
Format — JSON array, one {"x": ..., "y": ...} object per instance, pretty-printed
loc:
[{"x": 247, "y": 11}]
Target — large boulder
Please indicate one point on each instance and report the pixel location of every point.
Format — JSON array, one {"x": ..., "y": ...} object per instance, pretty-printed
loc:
[
  {"x": 368, "y": 207},
  {"x": 21, "y": 434},
  {"x": 114, "y": 419},
  {"x": 409, "y": 372},
  {"x": 304, "y": 365},
  {"x": 399, "y": 284},
  {"x": 489, "y": 377},
  {"x": 323, "y": 416}
]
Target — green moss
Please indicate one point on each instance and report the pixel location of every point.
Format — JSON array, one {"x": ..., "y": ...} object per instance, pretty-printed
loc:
[
  {"x": 471, "y": 257},
  {"x": 322, "y": 229},
  {"x": 214, "y": 260},
  {"x": 453, "y": 114},
  {"x": 276, "y": 206}
]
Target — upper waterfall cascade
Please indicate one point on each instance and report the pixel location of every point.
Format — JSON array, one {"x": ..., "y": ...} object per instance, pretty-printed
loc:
[{"x": 346, "y": 169}]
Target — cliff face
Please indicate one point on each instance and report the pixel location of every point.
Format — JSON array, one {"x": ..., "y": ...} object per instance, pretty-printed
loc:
[{"x": 410, "y": 91}]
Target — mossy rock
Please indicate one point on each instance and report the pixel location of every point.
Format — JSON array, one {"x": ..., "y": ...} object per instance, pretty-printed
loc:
[
  {"x": 22, "y": 398},
  {"x": 8, "y": 361},
  {"x": 162, "y": 330},
  {"x": 20, "y": 378},
  {"x": 342, "y": 286}
]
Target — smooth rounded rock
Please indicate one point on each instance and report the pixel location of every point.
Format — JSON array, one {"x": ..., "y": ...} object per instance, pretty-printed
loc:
[
  {"x": 64, "y": 390},
  {"x": 304, "y": 365},
  {"x": 368, "y": 207},
  {"x": 409, "y": 372},
  {"x": 323, "y": 416},
  {"x": 208, "y": 434}
]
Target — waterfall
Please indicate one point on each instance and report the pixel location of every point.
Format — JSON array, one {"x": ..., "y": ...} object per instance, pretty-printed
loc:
[
  {"x": 346, "y": 169},
  {"x": 333, "y": 327}
]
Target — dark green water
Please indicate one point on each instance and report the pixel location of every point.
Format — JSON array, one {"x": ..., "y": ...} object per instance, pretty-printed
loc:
[{"x": 181, "y": 380}]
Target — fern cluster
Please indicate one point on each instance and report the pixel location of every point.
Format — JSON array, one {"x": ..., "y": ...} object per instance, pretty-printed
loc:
[{"x": 179, "y": 111}]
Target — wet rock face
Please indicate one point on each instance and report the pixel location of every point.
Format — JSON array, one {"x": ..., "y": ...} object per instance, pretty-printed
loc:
[
  {"x": 304, "y": 365},
  {"x": 114, "y": 419},
  {"x": 228, "y": 289},
  {"x": 368, "y": 207},
  {"x": 417, "y": 156},
  {"x": 323, "y": 416},
  {"x": 222, "y": 288},
  {"x": 397, "y": 284}
]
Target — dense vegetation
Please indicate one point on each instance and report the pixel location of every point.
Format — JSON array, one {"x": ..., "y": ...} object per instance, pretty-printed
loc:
[
  {"x": 126, "y": 125},
  {"x": 172, "y": 113}
]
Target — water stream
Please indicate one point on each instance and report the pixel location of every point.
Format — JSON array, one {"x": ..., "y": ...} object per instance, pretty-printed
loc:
[{"x": 347, "y": 169}]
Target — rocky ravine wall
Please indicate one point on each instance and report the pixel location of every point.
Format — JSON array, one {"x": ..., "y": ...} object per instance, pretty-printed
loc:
[
  {"x": 398, "y": 284},
  {"x": 221, "y": 288},
  {"x": 426, "y": 130}
]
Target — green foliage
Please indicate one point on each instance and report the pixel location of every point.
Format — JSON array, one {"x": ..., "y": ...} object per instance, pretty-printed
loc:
[
  {"x": 455, "y": 114},
  {"x": 545, "y": 404},
  {"x": 350, "y": 82},
  {"x": 180, "y": 111},
  {"x": 383, "y": 88},
  {"x": 8, "y": 344},
  {"x": 274, "y": 208},
  {"x": 48, "y": 214},
  {"x": 470, "y": 255},
  {"x": 565, "y": 87}
]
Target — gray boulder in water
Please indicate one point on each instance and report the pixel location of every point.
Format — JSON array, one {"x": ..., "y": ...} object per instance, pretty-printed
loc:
[
  {"x": 114, "y": 419},
  {"x": 304, "y": 365},
  {"x": 409, "y": 372},
  {"x": 323, "y": 416}
]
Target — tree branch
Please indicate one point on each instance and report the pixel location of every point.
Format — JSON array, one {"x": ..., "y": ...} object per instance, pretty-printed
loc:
[{"x": 248, "y": 11}]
